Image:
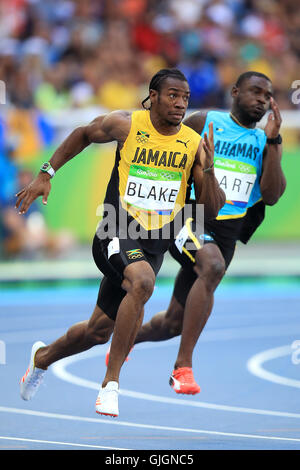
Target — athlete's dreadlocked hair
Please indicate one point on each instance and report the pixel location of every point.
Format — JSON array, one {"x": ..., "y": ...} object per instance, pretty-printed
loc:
[
  {"x": 159, "y": 77},
  {"x": 244, "y": 76}
]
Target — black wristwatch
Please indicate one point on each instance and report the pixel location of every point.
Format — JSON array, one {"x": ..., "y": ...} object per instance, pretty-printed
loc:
[{"x": 276, "y": 140}]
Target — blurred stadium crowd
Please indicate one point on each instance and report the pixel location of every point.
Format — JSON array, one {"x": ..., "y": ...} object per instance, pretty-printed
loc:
[
  {"x": 74, "y": 53},
  {"x": 64, "y": 54}
]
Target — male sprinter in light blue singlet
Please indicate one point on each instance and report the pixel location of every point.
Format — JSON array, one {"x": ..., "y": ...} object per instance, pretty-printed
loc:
[{"x": 247, "y": 164}]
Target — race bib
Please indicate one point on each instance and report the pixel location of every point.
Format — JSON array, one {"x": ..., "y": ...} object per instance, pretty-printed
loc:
[
  {"x": 236, "y": 179},
  {"x": 152, "y": 189}
]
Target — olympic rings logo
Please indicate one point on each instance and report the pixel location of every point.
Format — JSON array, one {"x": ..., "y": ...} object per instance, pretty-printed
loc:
[
  {"x": 168, "y": 176},
  {"x": 134, "y": 254},
  {"x": 142, "y": 140}
]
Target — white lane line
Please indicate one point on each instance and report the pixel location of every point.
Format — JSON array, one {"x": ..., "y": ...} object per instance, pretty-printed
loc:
[
  {"x": 59, "y": 369},
  {"x": 255, "y": 366},
  {"x": 144, "y": 426},
  {"x": 70, "y": 444}
]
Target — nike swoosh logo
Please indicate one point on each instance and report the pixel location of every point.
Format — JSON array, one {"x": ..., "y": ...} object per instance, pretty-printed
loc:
[{"x": 175, "y": 384}]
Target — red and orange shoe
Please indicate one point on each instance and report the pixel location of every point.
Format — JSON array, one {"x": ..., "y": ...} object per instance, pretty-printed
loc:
[
  {"x": 107, "y": 356},
  {"x": 182, "y": 381}
]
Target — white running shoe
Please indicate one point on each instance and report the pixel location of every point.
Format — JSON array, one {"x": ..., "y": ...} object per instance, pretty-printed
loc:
[
  {"x": 33, "y": 377},
  {"x": 107, "y": 400}
]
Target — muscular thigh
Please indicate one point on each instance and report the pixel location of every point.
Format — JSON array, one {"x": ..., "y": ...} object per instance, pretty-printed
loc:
[
  {"x": 192, "y": 237},
  {"x": 112, "y": 257},
  {"x": 119, "y": 260}
]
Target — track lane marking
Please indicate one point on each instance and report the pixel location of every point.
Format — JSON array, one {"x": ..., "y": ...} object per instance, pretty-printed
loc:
[
  {"x": 59, "y": 369},
  {"x": 144, "y": 426},
  {"x": 70, "y": 444},
  {"x": 255, "y": 366}
]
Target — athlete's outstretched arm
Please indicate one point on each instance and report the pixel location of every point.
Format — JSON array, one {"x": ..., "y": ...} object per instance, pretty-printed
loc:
[
  {"x": 107, "y": 128},
  {"x": 272, "y": 182},
  {"x": 207, "y": 189}
]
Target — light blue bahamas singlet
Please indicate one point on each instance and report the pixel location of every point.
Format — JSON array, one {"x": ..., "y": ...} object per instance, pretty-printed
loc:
[{"x": 237, "y": 161}]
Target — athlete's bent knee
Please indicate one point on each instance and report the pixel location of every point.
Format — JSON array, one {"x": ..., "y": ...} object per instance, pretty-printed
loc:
[
  {"x": 217, "y": 269},
  {"x": 210, "y": 268},
  {"x": 142, "y": 288}
]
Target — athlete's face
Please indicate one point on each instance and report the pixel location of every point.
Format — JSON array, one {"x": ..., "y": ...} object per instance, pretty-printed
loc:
[
  {"x": 171, "y": 101},
  {"x": 252, "y": 98}
]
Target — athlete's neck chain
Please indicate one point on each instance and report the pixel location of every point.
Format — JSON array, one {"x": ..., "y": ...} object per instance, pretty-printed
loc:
[{"x": 237, "y": 121}]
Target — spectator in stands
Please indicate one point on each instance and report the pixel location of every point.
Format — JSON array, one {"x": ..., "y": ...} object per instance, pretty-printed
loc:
[
  {"x": 212, "y": 40},
  {"x": 78, "y": 53}
]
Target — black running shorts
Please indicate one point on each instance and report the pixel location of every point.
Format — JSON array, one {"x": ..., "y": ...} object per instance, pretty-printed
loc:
[
  {"x": 111, "y": 257},
  {"x": 223, "y": 233}
]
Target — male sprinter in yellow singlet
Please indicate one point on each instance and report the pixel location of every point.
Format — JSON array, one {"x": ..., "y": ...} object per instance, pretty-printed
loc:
[{"x": 156, "y": 154}]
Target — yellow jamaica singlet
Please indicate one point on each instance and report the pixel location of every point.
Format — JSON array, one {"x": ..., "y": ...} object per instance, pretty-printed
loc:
[{"x": 151, "y": 172}]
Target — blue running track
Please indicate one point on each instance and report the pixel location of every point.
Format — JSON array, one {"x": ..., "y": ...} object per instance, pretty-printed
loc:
[{"x": 247, "y": 363}]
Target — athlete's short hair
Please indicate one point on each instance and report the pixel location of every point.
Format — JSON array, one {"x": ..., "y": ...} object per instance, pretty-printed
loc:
[
  {"x": 246, "y": 75},
  {"x": 158, "y": 79}
]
